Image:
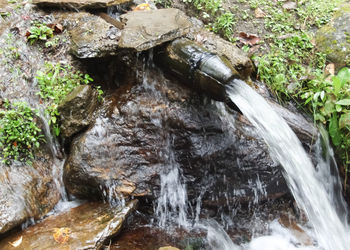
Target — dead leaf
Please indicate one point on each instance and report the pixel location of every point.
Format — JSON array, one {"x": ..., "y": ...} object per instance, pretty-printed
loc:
[
  {"x": 248, "y": 39},
  {"x": 16, "y": 243},
  {"x": 61, "y": 235},
  {"x": 330, "y": 69},
  {"x": 259, "y": 13},
  {"x": 142, "y": 6},
  {"x": 289, "y": 6},
  {"x": 56, "y": 27}
]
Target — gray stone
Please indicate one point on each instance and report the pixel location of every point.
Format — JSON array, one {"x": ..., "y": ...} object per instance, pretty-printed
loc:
[
  {"x": 26, "y": 191},
  {"x": 76, "y": 110},
  {"x": 147, "y": 29},
  {"x": 88, "y": 227},
  {"x": 92, "y": 36},
  {"x": 79, "y": 4},
  {"x": 334, "y": 38}
]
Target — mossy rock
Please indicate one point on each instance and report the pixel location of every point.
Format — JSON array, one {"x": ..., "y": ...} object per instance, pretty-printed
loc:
[{"x": 334, "y": 38}]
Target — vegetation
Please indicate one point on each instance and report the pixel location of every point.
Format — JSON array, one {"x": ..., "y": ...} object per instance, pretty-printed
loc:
[
  {"x": 39, "y": 32},
  {"x": 19, "y": 134},
  {"x": 55, "y": 82},
  {"x": 288, "y": 61}
]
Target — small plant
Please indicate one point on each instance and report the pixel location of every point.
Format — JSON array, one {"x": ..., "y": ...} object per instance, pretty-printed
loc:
[
  {"x": 55, "y": 82},
  {"x": 99, "y": 93},
  {"x": 329, "y": 100},
  {"x": 19, "y": 134},
  {"x": 39, "y": 31},
  {"x": 224, "y": 25}
]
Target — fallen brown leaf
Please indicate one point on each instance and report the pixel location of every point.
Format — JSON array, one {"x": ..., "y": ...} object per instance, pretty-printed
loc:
[
  {"x": 248, "y": 39},
  {"x": 259, "y": 13}
]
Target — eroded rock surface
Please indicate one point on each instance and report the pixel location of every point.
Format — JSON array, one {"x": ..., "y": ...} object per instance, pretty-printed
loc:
[
  {"x": 147, "y": 128},
  {"x": 147, "y": 29},
  {"x": 26, "y": 192},
  {"x": 334, "y": 40},
  {"x": 91, "y": 36},
  {"x": 89, "y": 226},
  {"x": 79, "y": 4},
  {"x": 76, "y": 110}
]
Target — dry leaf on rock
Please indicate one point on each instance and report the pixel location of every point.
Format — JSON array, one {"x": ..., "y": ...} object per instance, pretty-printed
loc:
[
  {"x": 142, "y": 6},
  {"x": 61, "y": 235},
  {"x": 16, "y": 243}
]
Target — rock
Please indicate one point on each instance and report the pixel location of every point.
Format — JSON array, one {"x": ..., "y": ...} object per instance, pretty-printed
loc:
[
  {"x": 237, "y": 57},
  {"x": 26, "y": 191},
  {"x": 147, "y": 29},
  {"x": 88, "y": 227},
  {"x": 289, "y": 6},
  {"x": 93, "y": 36},
  {"x": 146, "y": 128},
  {"x": 333, "y": 39},
  {"x": 76, "y": 110},
  {"x": 80, "y": 4}
]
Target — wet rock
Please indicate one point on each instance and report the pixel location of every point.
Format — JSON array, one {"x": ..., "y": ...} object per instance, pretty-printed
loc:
[
  {"x": 147, "y": 29},
  {"x": 76, "y": 110},
  {"x": 147, "y": 128},
  {"x": 334, "y": 40},
  {"x": 92, "y": 36},
  {"x": 196, "y": 66},
  {"x": 88, "y": 227},
  {"x": 26, "y": 192},
  {"x": 237, "y": 57},
  {"x": 79, "y": 4}
]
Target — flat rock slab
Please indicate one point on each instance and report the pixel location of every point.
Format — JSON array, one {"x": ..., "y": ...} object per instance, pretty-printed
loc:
[
  {"x": 79, "y": 4},
  {"x": 92, "y": 36},
  {"x": 147, "y": 29},
  {"x": 89, "y": 226}
]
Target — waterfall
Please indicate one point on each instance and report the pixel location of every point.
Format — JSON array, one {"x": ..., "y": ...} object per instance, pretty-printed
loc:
[{"x": 307, "y": 187}]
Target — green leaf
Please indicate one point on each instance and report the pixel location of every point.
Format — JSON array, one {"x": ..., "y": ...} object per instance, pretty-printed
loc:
[
  {"x": 343, "y": 102},
  {"x": 333, "y": 130},
  {"x": 344, "y": 75},
  {"x": 337, "y": 84}
]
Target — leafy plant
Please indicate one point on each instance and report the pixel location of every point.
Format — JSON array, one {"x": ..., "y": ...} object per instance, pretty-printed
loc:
[
  {"x": 224, "y": 25},
  {"x": 39, "y": 31},
  {"x": 55, "y": 82},
  {"x": 329, "y": 101},
  {"x": 19, "y": 134}
]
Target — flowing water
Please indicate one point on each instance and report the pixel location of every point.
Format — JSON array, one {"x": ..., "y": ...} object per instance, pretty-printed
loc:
[{"x": 307, "y": 187}]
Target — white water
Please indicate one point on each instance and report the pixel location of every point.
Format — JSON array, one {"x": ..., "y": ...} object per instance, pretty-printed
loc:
[{"x": 307, "y": 187}]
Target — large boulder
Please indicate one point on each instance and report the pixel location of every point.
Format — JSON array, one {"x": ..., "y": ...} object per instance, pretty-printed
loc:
[
  {"x": 85, "y": 227},
  {"x": 147, "y": 29},
  {"x": 27, "y": 191},
  {"x": 145, "y": 129},
  {"x": 76, "y": 110},
  {"x": 334, "y": 39}
]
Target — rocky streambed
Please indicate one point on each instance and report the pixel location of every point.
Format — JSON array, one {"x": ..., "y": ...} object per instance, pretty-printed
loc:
[{"x": 112, "y": 153}]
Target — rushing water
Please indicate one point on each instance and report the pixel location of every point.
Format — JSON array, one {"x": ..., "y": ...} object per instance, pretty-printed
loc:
[{"x": 306, "y": 186}]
